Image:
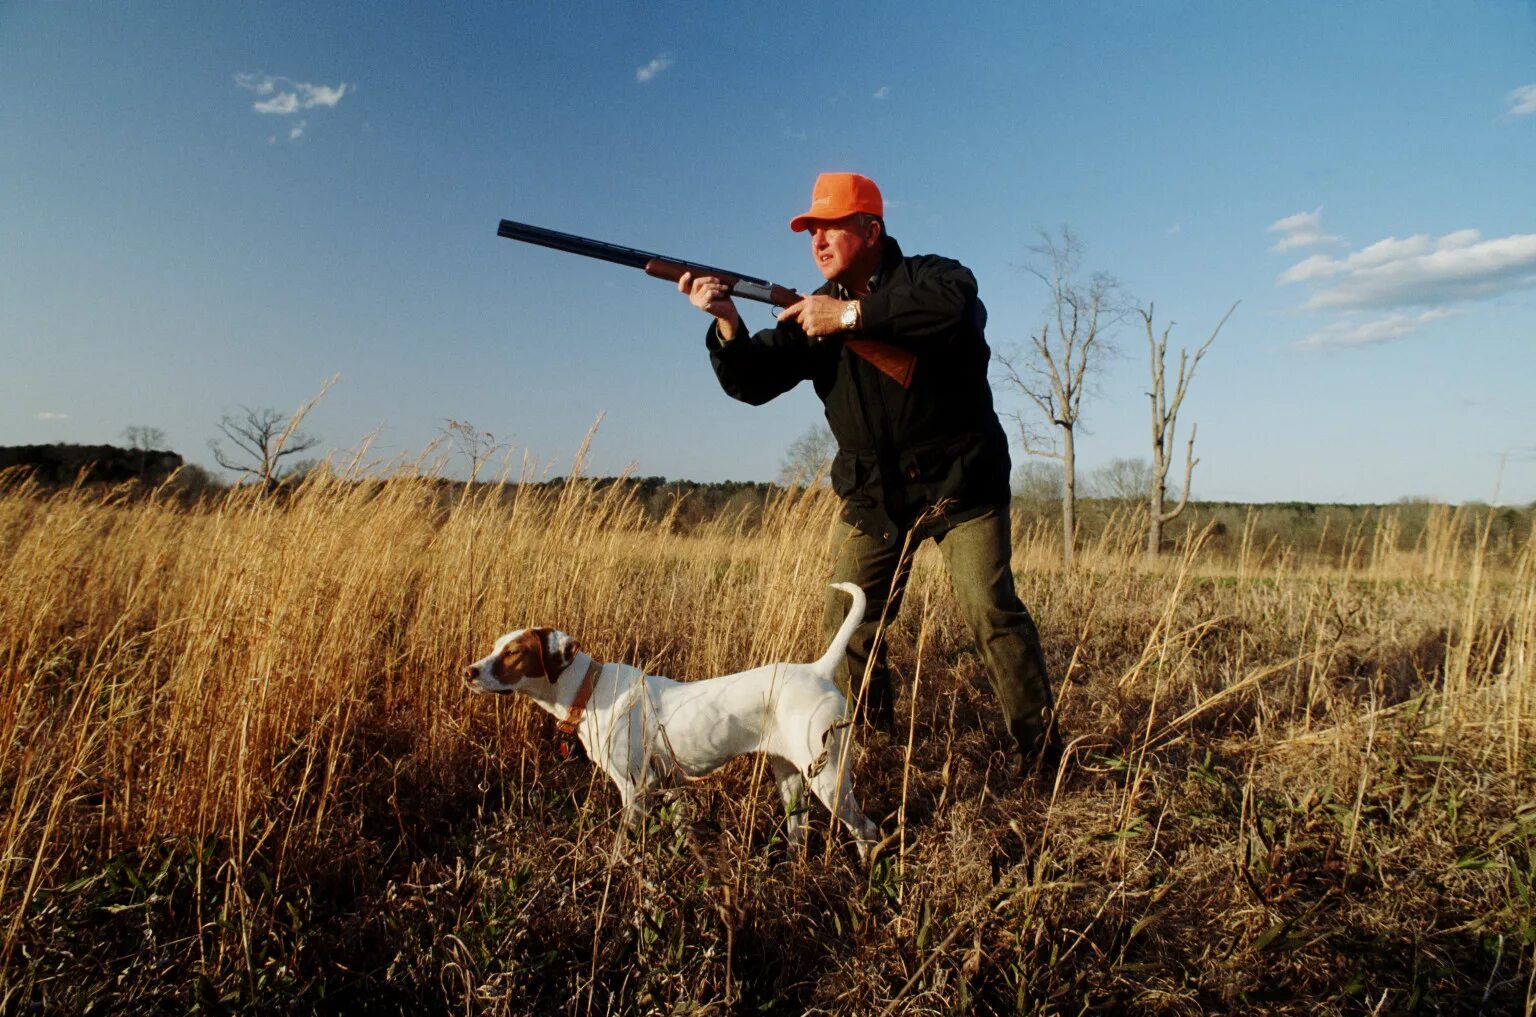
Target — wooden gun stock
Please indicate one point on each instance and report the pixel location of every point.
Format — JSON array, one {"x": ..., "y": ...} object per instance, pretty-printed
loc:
[{"x": 893, "y": 361}]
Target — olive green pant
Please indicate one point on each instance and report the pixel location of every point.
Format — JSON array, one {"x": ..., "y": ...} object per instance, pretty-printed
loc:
[{"x": 977, "y": 555}]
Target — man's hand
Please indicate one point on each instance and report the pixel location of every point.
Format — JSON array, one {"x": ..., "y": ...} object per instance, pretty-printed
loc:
[
  {"x": 712, "y": 296},
  {"x": 817, "y": 316}
]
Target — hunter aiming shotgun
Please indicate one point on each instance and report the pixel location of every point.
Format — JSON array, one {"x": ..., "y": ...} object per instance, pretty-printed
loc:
[{"x": 894, "y": 361}]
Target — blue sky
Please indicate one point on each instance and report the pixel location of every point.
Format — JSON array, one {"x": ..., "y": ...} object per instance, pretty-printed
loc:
[{"x": 204, "y": 207}]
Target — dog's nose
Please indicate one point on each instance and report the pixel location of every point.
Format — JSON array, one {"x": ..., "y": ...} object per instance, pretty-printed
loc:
[{"x": 471, "y": 673}]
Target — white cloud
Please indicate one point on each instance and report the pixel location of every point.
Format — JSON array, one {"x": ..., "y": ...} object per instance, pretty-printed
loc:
[
  {"x": 1368, "y": 333},
  {"x": 656, "y": 66},
  {"x": 282, "y": 104},
  {"x": 1522, "y": 101},
  {"x": 1411, "y": 280},
  {"x": 297, "y": 131},
  {"x": 882, "y": 91},
  {"x": 1316, "y": 266},
  {"x": 1461, "y": 238},
  {"x": 47, "y": 415},
  {"x": 323, "y": 95},
  {"x": 1419, "y": 271},
  {"x": 282, "y": 96},
  {"x": 1299, "y": 221},
  {"x": 1304, "y": 229}
]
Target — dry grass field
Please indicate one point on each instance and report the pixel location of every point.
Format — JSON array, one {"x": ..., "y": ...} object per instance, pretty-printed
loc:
[{"x": 240, "y": 773}]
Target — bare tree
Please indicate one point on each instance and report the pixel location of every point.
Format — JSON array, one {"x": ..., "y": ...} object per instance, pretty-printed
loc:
[
  {"x": 808, "y": 456},
  {"x": 1121, "y": 480},
  {"x": 1054, "y": 368},
  {"x": 262, "y": 439},
  {"x": 1036, "y": 482},
  {"x": 144, "y": 439},
  {"x": 473, "y": 444},
  {"x": 1165, "y": 415}
]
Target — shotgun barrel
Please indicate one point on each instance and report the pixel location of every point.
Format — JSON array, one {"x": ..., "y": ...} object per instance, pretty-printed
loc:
[{"x": 657, "y": 265}]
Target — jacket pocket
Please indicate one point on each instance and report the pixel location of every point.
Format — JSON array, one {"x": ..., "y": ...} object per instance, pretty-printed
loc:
[
  {"x": 854, "y": 478},
  {"x": 941, "y": 470}
]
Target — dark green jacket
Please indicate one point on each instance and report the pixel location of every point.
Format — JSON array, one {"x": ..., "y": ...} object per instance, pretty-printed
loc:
[{"x": 900, "y": 450}]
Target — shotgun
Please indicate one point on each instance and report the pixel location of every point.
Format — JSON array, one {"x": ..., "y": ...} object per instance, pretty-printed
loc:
[
  {"x": 894, "y": 361},
  {"x": 656, "y": 265}
]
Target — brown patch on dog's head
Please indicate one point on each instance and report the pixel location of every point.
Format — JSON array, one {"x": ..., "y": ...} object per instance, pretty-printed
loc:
[
  {"x": 556, "y": 650},
  {"x": 522, "y": 657}
]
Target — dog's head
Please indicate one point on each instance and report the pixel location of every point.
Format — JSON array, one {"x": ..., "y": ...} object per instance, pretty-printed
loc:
[{"x": 520, "y": 656}]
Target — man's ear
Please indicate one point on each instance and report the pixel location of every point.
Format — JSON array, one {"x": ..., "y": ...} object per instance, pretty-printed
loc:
[{"x": 557, "y": 650}]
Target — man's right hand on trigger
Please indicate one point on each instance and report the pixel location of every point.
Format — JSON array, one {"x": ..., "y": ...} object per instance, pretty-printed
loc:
[{"x": 712, "y": 296}]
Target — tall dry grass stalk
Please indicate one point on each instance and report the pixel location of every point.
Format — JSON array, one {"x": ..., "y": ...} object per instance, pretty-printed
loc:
[{"x": 226, "y": 725}]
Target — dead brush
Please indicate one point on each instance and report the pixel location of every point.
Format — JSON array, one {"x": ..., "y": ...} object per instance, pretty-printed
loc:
[{"x": 239, "y": 773}]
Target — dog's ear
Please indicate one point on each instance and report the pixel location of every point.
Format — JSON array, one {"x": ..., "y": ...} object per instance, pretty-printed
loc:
[{"x": 557, "y": 650}]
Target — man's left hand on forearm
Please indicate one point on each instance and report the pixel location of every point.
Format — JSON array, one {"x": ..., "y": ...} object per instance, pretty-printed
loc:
[{"x": 817, "y": 315}]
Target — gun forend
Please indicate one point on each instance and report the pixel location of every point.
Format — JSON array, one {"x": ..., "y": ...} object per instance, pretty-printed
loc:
[{"x": 743, "y": 286}]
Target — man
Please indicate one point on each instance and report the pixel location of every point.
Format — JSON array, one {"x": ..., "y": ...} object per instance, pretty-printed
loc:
[{"x": 895, "y": 348}]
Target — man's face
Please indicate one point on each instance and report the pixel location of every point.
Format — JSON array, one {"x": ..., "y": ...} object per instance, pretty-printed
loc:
[{"x": 846, "y": 250}]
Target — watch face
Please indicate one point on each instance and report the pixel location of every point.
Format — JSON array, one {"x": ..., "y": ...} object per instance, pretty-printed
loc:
[{"x": 850, "y": 315}]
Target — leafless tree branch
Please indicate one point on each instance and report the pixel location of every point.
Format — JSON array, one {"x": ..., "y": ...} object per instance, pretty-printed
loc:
[
  {"x": 1054, "y": 368},
  {"x": 1165, "y": 415},
  {"x": 263, "y": 438}
]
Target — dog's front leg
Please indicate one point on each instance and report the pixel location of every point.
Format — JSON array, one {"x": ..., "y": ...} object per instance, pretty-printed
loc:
[
  {"x": 632, "y": 808},
  {"x": 792, "y": 792},
  {"x": 633, "y": 777},
  {"x": 834, "y": 786}
]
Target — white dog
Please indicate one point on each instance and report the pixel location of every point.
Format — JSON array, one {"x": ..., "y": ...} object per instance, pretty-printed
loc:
[{"x": 642, "y": 729}]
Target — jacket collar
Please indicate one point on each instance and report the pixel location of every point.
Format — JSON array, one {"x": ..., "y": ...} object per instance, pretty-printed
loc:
[{"x": 890, "y": 257}]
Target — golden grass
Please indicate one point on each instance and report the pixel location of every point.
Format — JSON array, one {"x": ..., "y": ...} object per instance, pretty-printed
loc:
[{"x": 240, "y": 773}]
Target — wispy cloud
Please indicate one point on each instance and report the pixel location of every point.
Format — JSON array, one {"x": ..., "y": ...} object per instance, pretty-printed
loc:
[
  {"x": 1304, "y": 229},
  {"x": 1522, "y": 101},
  {"x": 279, "y": 96},
  {"x": 882, "y": 91},
  {"x": 657, "y": 65},
  {"x": 47, "y": 415},
  {"x": 282, "y": 96},
  {"x": 1368, "y": 333},
  {"x": 1409, "y": 281},
  {"x": 1419, "y": 271}
]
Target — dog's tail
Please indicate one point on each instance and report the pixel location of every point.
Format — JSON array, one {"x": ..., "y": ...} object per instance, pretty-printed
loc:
[{"x": 839, "y": 645}]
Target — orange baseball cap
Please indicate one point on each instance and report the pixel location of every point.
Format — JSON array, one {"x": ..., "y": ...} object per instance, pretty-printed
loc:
[{"x": 837, "y": 195}]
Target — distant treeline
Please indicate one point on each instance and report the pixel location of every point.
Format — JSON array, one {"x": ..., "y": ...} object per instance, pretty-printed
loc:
[
  {"x": 1329, "y": 530},
  {"x": 53, "y": 465},
  {"x": 686, "y": 502},
  {"x": 1326, "y": 529}
]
